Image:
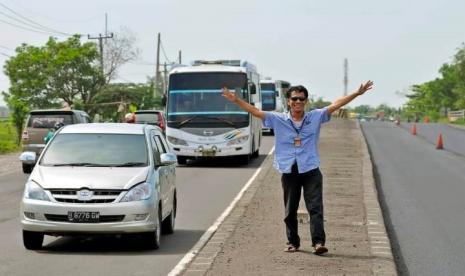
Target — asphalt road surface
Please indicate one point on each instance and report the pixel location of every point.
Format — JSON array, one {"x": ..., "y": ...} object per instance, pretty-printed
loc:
[
  {"x": 422, "y": 194},
  {"x": 205, "y": 189},
  {"x": 453, "y": 137}
]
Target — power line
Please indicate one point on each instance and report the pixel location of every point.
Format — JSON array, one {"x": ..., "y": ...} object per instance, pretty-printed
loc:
[
  {"x": 6, "y": 48},
  {"x": 23, "y": 22},
  {"x": 164, "y": 53},
  {"x": 35, "y": 23},
  {"x": 3, "y": 54},
  {"x": 23, "y": 28},
  {"x": 93, "y": 18}
]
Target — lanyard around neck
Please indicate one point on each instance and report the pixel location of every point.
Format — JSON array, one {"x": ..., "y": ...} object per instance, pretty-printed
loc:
[{"x": 295, "y": 128}]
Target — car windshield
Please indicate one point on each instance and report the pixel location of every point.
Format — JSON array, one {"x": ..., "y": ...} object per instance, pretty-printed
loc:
[
  {"x": 99, "y": 150},
  {"x": 49, "y": 120},
  {"x": 195, "y": 100}
]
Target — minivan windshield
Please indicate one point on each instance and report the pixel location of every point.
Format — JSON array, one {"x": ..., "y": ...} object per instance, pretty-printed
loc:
[{"x": 96, "y": 150}]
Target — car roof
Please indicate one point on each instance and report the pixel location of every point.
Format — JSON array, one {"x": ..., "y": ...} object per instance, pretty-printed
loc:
[
  {"x": 148, "y": 111},
  {"x": 57, "y": 111},
  {"x": 106, "y": 128}
]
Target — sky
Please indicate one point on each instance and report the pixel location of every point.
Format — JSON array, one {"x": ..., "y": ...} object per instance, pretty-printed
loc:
[{"x": 395, "y": 43}]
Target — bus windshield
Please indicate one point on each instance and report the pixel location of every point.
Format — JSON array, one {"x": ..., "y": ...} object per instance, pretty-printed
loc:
[
  {"x": 268, "y": 100},
  {"x": 268, "y": 96},
  {"x": 195, "y": 100}
]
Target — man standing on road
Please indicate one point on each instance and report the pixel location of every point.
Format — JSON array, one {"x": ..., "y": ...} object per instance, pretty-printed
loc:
[{"x": 297, "y": 158}]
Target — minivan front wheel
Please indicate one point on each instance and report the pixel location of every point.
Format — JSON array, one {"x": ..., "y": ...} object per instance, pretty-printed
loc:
[
  {"x": 33, "y": 240},
  {"x": 152, "y": 239},
  {"x": 169, "y": 222}
]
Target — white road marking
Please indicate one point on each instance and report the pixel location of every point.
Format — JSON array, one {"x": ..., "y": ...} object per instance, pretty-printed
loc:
[{"x": 206, "y": 236}]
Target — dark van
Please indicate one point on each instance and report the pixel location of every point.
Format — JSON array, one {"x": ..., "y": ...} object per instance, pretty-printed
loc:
[{"x": 40, "y": 122}]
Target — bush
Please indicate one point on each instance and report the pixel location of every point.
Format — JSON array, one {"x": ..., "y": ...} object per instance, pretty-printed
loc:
[{"x": 7, "y": 137}]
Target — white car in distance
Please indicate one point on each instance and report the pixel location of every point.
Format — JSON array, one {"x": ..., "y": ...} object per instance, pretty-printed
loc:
[{"x": 101, "y": 179}]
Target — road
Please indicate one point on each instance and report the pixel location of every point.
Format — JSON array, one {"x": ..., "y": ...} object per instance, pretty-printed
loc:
[
  {"x": 453, "y": 137},
  {"x": 422, "y": 194},
  {"x": 205, "y": 189}
]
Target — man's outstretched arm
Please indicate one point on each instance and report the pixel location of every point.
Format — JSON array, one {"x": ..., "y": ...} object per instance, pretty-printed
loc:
[
  {"x": 243, "y": 104},
  {"x": 347, "y": 99}
]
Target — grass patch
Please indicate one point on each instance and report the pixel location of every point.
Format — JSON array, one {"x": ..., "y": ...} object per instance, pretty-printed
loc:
[
  {"x": 459, "y": 122},
  {"x": 7, "y": 137}
]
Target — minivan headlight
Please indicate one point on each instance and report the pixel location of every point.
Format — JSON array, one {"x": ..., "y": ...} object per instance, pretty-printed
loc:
[
  {"x": 139, "y": 192},
  {"x": 34, "y": 191}
]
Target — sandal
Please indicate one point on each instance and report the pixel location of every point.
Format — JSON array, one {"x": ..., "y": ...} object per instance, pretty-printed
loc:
[{"x": 291, "y": 248}]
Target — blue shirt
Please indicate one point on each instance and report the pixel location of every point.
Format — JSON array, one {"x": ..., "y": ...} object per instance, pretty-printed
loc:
[{"x": 286, "y": 153}]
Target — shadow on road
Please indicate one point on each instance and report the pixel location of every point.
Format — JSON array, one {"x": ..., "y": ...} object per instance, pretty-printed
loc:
[
  {"x": 224, "y": 162},
  {"x": 180, "y": 242}
]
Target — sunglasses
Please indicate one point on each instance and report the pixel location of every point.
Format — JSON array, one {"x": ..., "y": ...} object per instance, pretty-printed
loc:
[{"x": 302, "y": 99}]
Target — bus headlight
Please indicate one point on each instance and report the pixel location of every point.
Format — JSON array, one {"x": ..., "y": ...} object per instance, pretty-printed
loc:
[
  {"x": 176, "y": 141},
  {"x": 238, "y": 141}
]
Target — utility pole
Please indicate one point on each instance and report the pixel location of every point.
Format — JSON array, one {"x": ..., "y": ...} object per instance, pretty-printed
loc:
[
  {"x": 180, "y": 57},
  {"x": 346, "y": 76},
  {"x": 165, "y": 78},
  {"x": 100, "y": 38},
  {"x": 157, "y": 68}
]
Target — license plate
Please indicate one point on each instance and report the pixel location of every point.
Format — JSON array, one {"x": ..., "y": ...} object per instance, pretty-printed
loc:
[
  {"x": 83, "y": 217},
  {"x": 208, "y": 153}
]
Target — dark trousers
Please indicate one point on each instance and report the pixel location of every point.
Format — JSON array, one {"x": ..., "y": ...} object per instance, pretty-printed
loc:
[{"x": 312, "y": 184}]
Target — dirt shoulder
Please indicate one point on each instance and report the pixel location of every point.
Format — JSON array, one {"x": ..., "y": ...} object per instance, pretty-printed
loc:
[
  {"x": 9, "y": 162},
  {"x": 356, "y": 236}
]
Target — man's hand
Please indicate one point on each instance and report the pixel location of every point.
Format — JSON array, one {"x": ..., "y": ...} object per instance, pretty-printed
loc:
[
  {"x": 347, "y": 99},
  {"x": 229, "y": 95},
  {"x": 365, "y": 87},
  {"x": 243, "y": 104}
]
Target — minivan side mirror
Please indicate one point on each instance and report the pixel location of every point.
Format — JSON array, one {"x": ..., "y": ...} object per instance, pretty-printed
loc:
[
  {"x": 28, "y": 157},
  {"x": 168, "y": 159}
]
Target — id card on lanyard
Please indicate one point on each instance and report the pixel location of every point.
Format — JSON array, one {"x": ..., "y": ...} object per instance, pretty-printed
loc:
[{"x": 297, "y": 139}]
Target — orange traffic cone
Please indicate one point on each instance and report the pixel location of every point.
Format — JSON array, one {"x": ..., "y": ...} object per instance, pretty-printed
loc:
[
  {"x": 414, "y": 129},
  {"x": 439, "y": 144}
]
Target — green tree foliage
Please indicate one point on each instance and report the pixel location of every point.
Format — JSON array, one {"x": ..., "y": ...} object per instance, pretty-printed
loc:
[
  {"x": 46, "y": 76},
  {"x": 363, "y": 109},
  {"x": 319, "y": 103},
  {"x": 116, "y": 99},
  {"x": 57, "y": 72},
  {"x": 445, "y": 92},
  {"x": 19, "y": 110}
]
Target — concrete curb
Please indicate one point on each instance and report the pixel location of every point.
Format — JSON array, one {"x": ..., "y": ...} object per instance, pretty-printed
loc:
[
  {"x": 380, "y": 246},
  {"x": 207, "y": 254}
]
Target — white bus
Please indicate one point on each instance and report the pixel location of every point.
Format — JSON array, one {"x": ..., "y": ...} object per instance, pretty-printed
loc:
[
  {"x": 201, "y": 122},
  {"x": 274, "y": 97}
]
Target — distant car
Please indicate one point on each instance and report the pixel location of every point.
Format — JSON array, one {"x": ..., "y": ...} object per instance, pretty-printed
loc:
[
  {"x": 101, "y": 179},
  {"x": 151, "y": 117},
  {"x": 38, "y": 125}
]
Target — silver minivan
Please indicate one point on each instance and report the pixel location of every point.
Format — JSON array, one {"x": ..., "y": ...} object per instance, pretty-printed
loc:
[{"x": 101, "y": 179}]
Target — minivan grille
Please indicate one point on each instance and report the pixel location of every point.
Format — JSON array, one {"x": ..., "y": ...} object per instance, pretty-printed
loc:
[
  {"x": 64, "y": 218},
  {"x": 98, "y": 196}
]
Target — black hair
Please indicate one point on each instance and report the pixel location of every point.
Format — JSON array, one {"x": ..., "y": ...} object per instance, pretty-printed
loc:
[{"x": 297, "y": 88}]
